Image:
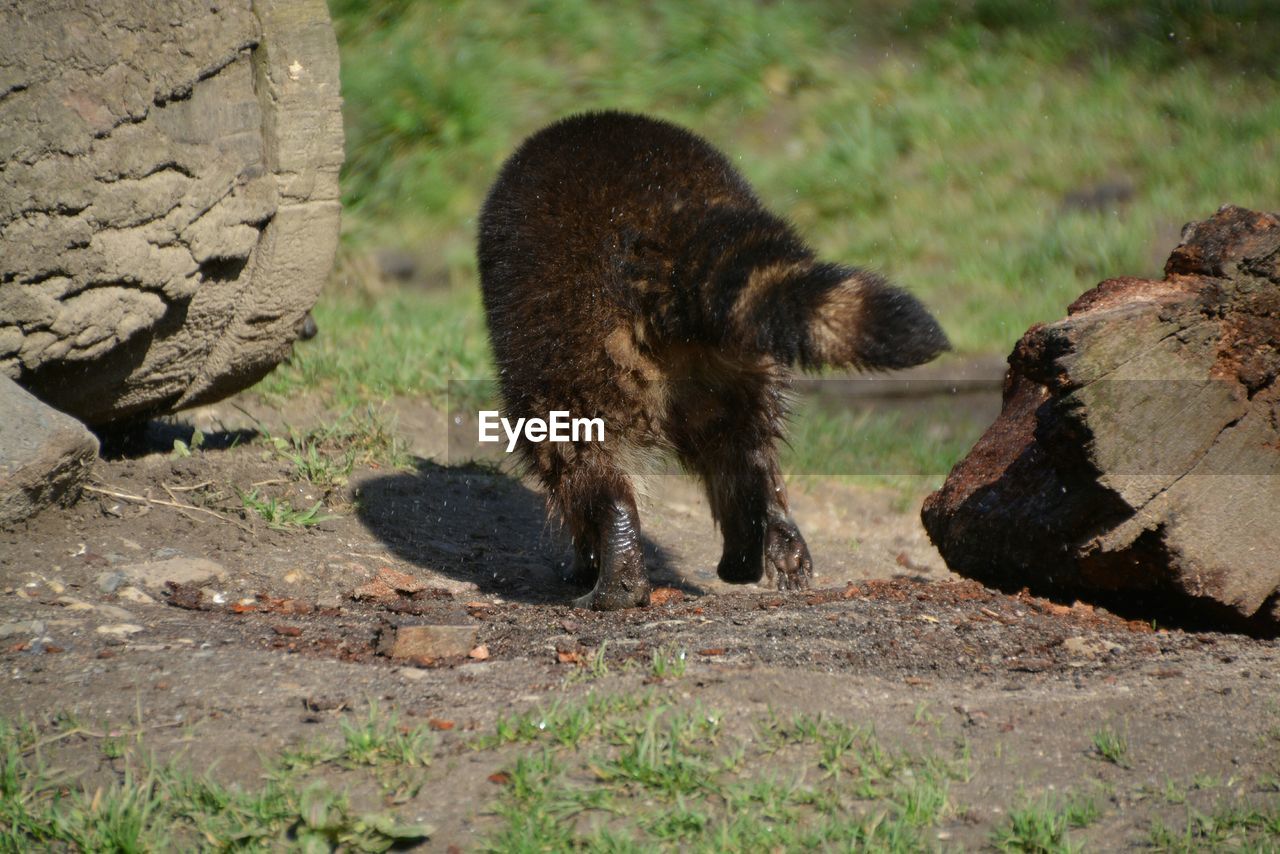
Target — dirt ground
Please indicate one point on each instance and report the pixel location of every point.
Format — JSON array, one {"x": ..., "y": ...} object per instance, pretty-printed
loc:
[{"x": 279, "y": 649}]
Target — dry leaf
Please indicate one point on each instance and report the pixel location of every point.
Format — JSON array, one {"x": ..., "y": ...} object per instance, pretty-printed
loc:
[{"x": 665, "y": 596}]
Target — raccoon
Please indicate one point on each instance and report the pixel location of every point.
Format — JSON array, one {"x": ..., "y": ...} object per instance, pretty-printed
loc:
[{"x": 630, "y": 273}]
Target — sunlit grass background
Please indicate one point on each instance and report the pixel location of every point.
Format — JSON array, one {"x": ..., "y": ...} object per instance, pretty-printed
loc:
[{"x": 997, "y": 157}]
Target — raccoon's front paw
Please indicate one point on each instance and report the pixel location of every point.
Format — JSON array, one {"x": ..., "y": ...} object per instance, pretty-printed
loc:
[
  {"x": 787, "y": 558},
  {"x": 625, "y": 593},
  {"x": 622, "y": 580}
]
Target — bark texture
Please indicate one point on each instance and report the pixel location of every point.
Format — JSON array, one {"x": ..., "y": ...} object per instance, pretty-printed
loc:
[
  {"x": 1137, "y": 457},
  {"x": 168, "y": 195}
]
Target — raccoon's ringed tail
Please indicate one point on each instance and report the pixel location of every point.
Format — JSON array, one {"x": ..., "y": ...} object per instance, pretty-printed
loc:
[{"x": 864, "y": 322}]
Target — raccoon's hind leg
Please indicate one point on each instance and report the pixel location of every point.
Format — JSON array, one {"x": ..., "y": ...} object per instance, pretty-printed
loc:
[
  {"x": 749, "y": 501},
  {"x": 598, "y": 506},
  {"x": 728, "y": 439}
]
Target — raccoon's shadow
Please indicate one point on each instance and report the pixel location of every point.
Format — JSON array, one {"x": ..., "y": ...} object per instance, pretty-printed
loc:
[{"x": 474, "y": 523}]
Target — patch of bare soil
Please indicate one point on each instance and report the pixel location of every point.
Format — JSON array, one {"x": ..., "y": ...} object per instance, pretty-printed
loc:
[{"x": 283, "y": 644}]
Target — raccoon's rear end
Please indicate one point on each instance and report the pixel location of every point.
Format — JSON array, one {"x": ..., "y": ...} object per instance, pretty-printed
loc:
[{"x": 631, "y": 274}]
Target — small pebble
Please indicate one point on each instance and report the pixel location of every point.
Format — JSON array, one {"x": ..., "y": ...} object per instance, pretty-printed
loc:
[
  {"x": 133, "y": 594},
  {"x": 113, "y": 612},
  {"x": 110, "y": 581},
  {"x": 119, "y": 630},
  {"x": 30, "y": 628}
]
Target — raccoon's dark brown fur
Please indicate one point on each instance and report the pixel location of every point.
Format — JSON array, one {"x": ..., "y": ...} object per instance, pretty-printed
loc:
[{"x": 630, "y": 273}]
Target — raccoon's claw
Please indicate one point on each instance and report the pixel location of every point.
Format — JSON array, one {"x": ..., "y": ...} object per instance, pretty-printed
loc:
[{"x": 787, "y": 560}]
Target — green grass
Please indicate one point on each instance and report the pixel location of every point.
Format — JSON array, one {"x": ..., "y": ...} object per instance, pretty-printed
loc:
[
  {"x": 640, "y": 769},
  {"x": 888, "y": 443},
  {"x": 405, "y": 343},
  {"x": 1227, "y": 827},
  {"x": 155, "y": 807},
  {"x": 661, "y": 776},
  {"x": 668, "y": 663},
  {"x": 1040, "y": 827},
  {"x": 567, "y": 724},
  {"x": 279, "y": 514},
  {"x": 381, "y": 738},
  {"x": 1111, "y": 746},
  {"x": 325, "y": 455},
  {"x": 184, "y": 450}
]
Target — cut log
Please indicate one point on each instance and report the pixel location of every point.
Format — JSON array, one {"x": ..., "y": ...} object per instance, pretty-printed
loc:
[
  {"x": 1137, "y": 457},
  {"x": 168, "y": 195}
]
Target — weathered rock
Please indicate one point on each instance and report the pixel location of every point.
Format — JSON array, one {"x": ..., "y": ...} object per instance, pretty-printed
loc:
[
  {"x": 1090, "y": 648},
  {"x": 168, "y": 195},
  {"x": 415, "y": 674},
  {"x": 119, "y": 630},
  {"x": 388, "y": 584},
  {"x": 156, "y": 574},
  {"x": 1137, "y": 457},
  {"x": 109, "y": 580},
  {"x": 136, "y": 596},
  {"x": 426, "y": 642},
  {"x": 113, "y": 612},
  {"x": 29, "y": 628},
  {"x": 45, "y": 456}
]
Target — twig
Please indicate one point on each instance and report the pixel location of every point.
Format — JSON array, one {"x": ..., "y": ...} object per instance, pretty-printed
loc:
[
  {"x": 88, "y": 733},
  {"x": 142, "y": 499},
  {"x": 181, "y": 509},
  {"x": 270, "y": 482},
  {"x": 192, "y": 488}
]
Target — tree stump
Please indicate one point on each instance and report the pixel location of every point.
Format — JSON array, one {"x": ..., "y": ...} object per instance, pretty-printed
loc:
[
  {"x": 1137, "y": 457},
  {"x": 168, "y": 195}
]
